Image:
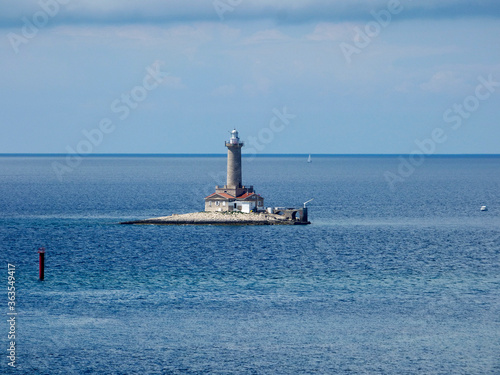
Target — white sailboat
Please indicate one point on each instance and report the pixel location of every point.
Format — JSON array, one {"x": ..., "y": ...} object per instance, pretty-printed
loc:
[{"x": 309, "y": 160}]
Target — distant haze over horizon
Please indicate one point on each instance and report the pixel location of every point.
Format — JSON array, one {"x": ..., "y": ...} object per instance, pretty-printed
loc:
[{"x": 304, "y": 77}]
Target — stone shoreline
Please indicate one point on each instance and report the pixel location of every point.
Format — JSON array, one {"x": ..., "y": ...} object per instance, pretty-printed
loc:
[{"x": 218, "y": 218}]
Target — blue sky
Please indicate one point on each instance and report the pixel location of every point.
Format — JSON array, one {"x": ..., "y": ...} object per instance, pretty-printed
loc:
[{"x": 304, "y": 76}]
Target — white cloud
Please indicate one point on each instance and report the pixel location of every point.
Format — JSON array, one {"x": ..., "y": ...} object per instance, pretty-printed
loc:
[
  {"x": 225, "y": 90},
  {"x": 403, "y": 87},
  {"x": 266, "y": 36},
  {"x": 173, "y": 82},
  {"x": 259, "y": 85},
  {"x": 443, "y": 81},
  {"x": 334, "y": 32}
]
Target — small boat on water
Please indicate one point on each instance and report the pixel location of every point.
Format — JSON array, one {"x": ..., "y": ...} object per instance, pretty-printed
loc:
[
  {"x": 484, "y": 208},
  {"x": 309, "y": 160}
]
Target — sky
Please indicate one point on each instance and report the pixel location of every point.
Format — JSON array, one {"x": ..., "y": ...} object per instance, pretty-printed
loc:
[{"x": 303, "y": 76}]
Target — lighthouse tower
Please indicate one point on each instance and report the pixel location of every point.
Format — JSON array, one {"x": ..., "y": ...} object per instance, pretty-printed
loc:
[
  {"x": 234, "y": 196},
  {"x": 234, "y": 161}
]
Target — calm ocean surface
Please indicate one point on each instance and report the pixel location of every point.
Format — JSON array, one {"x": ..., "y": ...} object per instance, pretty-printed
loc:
[{"x": 383, "y": 282}]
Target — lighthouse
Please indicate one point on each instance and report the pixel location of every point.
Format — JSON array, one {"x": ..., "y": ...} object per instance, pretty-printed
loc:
[
  {"x": 234, "y": 196},
  {"x": 234, "y": 161}
]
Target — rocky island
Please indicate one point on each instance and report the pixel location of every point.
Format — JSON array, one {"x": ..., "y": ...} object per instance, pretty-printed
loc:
[{"x": 221, "y": 218}]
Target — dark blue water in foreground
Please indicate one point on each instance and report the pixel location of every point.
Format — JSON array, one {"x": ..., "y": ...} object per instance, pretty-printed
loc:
[{"x": 383, "y": 282}]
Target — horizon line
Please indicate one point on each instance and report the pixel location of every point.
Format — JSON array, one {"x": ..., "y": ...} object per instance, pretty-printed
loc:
[{"x": 22, "y": 154}]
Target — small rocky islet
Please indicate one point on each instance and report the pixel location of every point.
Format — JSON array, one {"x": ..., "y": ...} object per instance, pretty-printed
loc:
[{"x": 218, "y": 218}]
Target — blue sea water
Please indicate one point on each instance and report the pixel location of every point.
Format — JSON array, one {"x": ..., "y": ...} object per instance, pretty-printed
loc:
[{"x": 403, "y": 281}]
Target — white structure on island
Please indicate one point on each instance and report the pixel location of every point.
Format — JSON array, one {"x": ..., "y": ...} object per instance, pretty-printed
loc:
[{"x": 234, "y": 196}]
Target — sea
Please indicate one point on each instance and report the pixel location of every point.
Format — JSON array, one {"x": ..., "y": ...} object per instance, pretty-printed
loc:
[{"x": 398, "y": 277}]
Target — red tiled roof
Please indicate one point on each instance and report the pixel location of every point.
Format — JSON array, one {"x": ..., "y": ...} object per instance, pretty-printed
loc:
[
  {"x": 246, "y": 195},
  {"x": 224, "y": 195}
]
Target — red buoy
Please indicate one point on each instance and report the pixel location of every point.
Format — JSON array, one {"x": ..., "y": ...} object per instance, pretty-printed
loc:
[{"x": 41, "y": 256}]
